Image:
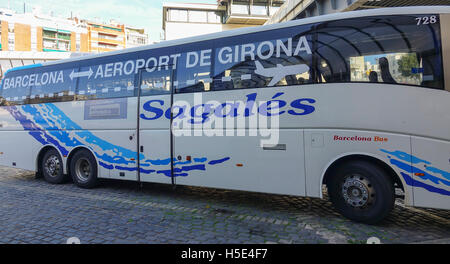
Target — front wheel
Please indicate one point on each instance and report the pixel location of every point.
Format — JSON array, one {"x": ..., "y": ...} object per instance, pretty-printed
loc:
[
  {"x": 362, "y": 192},
  {"x": 52, "y": 167},
  {"x": 83, "y": 169}
]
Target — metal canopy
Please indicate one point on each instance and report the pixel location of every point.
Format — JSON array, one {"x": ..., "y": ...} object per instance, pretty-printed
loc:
[{"x": 398, "y": 3}]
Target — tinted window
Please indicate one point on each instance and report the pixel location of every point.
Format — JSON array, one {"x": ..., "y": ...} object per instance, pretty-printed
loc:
[
  {"x": 156, "y": 82},
  {"x": 389, "y": 49},
  {"x": 265, "y": 59},
  {"x": 194, "y": 70},
  {"x": 15, "y": 88},
  {"x": 52, "y": 85},
  {"x": 109, "y": 80},
  {"x": 39, "y": 85}
]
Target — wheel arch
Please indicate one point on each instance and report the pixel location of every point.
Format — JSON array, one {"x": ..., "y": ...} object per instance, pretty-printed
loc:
[
  {"x": 347, "y": 157},
  {"x": 41, "y": 152},
  {"x": 75, "y": 150}
]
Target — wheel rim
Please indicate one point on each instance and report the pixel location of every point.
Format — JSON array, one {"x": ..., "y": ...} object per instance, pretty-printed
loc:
[
  {"x": 357, "y": 191},
  {"x": 52, "y": 166},
  {"x": 83, "y": 169}
]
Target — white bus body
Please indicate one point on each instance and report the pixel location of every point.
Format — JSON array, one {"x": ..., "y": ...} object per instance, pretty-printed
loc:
[{"x": 339, "y": 117}]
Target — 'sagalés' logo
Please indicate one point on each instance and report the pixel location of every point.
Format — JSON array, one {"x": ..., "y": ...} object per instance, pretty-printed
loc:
[{"x": 202, "y": 112}]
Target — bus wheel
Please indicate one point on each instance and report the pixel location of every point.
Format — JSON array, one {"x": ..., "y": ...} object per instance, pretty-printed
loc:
[
  {"x": 83, "y": 169},
  {"x": 52, "y": 167},
  {"x": 362, "y": 192}
]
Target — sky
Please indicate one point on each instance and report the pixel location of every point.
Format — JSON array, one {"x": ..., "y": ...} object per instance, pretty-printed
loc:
[{"x": 138, "y": 13}]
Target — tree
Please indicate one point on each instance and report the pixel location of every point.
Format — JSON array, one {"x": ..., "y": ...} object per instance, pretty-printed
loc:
[{"x": 406, "y": 65}]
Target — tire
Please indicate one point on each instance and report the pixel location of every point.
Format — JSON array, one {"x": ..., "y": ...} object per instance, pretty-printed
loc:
[
  {"x": 52, "y": 167},
  {"x": 83, "y": 169},
  {"x": 362, "y": 192}
]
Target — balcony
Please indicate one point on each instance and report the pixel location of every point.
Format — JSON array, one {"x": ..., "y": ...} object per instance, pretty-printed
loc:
[{"x": 251, "y": 12}]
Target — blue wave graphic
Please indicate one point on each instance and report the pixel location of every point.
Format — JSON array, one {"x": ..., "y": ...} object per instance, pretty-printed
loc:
[
  {"x": 51, "y": 126},
  {"x": 438, "y": 171},
  {"x": 35, "y": 131},
  {"x": 405, "y": 156},
  {"x": 213, "y": 162},
  {"x": 410, "y": 181},
  {"x": 403, "y": 161}
]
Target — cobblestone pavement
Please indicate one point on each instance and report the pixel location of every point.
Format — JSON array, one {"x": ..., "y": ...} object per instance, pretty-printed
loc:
[{"x": 33, "y": 211}]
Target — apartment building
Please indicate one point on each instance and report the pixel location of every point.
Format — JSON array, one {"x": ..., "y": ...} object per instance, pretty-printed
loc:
[
  {"x": 105, "y": 37},
  {"x": 40, "y": 33},
  {"x": 43, "y": 33},
  {"x": 33, "y": 37}
]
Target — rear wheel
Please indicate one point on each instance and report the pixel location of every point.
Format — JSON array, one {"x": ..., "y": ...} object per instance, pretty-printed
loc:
[
  {"x": 362, "y": 191},
  {"x": 52, "y": 167},
  {"x": 83, "y": 169}
]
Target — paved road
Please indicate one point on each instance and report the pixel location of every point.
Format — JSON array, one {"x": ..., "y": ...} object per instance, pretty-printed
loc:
[{"x": 33, "y": 211}]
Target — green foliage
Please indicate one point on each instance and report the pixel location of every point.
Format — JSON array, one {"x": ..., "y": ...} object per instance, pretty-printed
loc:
[{"x": 407, "y": 63}]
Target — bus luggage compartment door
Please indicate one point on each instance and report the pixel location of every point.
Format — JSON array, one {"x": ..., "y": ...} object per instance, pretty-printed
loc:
[{"x": 431, "y": 172}]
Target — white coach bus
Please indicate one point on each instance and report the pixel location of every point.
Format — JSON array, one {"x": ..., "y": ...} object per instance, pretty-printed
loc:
[{"x": 361, "y": 102}]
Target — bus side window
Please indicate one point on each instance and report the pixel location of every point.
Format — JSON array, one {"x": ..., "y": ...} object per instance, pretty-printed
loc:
[
  {"x": 156, "y": 82},
  {"x": 387, "y": 49},
  {"x": 195, "y": 79},
  {"x": 12, "y": 91},
  {"x": 265, "y": 59},
  {"x": 104, "y": 86},
  {"x": 54, "y": 85}
]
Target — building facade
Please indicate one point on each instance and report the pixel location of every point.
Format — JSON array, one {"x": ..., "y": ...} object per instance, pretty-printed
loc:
[
  {"x": 105, "y": 37},
  {"x": 31, "y": 38},
  {"x": 252, "y": 12},
  {"x": 186, "y": 20},
  {"x": 39, "y": 33},
  {"x": 135, "y": 37}
]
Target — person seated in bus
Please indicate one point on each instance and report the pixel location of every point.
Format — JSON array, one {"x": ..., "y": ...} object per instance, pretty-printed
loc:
[
  {"x": 199, "y": 87},
  {"x": 385, "y": 72},
  {"x": 291, "y": 80},
  {"x": 373, "y": 77}
]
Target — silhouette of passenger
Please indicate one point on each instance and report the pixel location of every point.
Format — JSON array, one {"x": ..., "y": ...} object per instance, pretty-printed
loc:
[
  {"x": 198, "y": 87},
  {"x": 385, "y": 72},
  {"x": 373, "y": 76}
]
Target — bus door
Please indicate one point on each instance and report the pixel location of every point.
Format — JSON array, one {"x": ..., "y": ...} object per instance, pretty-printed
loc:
[{"x": 154, "y": 142}]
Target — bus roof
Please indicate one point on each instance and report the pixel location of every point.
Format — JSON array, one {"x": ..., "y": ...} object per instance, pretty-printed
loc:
[{"x": 248, "y": 30}]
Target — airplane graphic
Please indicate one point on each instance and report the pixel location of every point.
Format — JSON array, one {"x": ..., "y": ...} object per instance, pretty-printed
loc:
[{"x": 279, "y": 72}]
